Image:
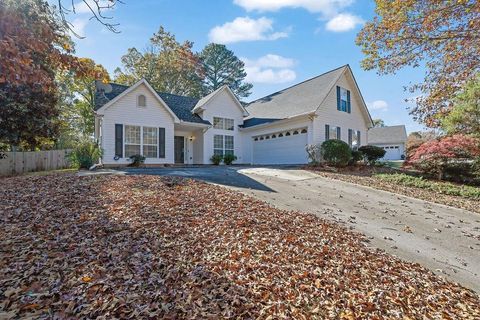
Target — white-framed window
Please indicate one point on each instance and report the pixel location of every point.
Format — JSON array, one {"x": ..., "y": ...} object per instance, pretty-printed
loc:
[
  {"x": 141, "y": 140},
  {"x": 141, "y": 101},
  {"x": 355, "y": 138},
  {"x": 133, "y": 140},
  {"x": 223, "y": 123},
  {"x": 333, "y": 133},
  {"x": 223, "y": 145},
  {"x": 150, "y": 142}
]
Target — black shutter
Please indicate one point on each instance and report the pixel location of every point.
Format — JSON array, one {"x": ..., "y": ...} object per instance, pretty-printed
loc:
[
  {"x": 358, "y": 139},
  {"x": 327, "y": 132},
  {"x": 119, "y": 140},
  {"x": 339, "y": 133},
  {"x": 339, "y": 107},
  {"x": 350, "y": 136},
  {"x": 161, "y": 142},
  {"x": 349, "y": 106}
]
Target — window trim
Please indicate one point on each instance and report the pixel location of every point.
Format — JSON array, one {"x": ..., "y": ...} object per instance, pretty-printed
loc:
[
  {"x": 141, "y": 144},
  {"x": 223, "y": 122},
  {"x": 224, "y": 148},
  {"x": 138, "y": 101}
]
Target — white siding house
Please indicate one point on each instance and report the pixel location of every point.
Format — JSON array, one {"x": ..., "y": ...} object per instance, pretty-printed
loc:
[{"x": 170, "y": 129}]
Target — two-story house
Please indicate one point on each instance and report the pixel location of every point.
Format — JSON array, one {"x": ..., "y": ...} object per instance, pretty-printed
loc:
[{"x": 275, "y": 129}]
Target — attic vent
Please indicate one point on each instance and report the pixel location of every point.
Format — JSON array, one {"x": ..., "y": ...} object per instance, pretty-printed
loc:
[{"x": 141, "y": 101}]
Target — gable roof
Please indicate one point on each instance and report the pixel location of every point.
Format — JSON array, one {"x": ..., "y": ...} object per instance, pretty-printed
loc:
[
  {"x": 203, "y": 101},
  {"x": 181, "y": 106},
  {"x": 302, "y": 98},
  {"x": 392, "y": 134}
]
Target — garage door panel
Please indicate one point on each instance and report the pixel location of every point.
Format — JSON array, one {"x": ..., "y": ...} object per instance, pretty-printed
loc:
[{"x": 281, "y": 150}]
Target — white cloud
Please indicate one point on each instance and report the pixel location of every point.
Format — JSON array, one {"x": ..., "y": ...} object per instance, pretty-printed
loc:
[
  {"x": 78, "y": 26},
  {"x": 344, "y": 22},
  {"x": 245, "y": 29},
  {"x": 270, "y": 68},
  {"x": 326, "y": 7},
  {"x": 379, "y": 105}
]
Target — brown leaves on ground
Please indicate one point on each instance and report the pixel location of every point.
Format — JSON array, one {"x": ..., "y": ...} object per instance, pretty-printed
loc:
[{"x": 144, "y": 247}]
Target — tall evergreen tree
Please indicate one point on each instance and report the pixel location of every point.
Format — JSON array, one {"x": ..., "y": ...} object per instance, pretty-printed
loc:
[{"x": 221, "y": 68}]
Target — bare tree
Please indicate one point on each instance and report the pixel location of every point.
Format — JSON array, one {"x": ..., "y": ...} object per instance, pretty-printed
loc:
[{"x": 97, "y": 8}]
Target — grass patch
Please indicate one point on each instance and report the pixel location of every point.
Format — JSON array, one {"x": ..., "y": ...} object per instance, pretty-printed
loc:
[{"x": 437, "y": 186}]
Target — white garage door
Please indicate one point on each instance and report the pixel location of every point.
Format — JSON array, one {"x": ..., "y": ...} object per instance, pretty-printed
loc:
[
  {"x": 281, "y": 148},
  {"x": 392, "y": 152}
]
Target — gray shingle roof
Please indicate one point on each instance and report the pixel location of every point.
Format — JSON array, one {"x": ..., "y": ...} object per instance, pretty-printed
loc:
[
  {"x": 386, "y": 135},
  {"x": 180, "y": 105},
  {"x": 299, "y": 99}
]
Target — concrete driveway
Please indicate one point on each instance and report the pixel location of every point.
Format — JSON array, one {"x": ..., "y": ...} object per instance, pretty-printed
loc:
[{"x": 444, "y": 239}]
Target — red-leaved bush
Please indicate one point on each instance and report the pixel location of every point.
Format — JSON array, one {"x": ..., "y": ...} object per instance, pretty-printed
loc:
[{"x": 455, "y": 154}]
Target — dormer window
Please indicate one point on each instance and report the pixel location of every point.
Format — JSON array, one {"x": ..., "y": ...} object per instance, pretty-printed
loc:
[
  {"x": 343, "y": 100},
  {"x": 141, "y": 101}
]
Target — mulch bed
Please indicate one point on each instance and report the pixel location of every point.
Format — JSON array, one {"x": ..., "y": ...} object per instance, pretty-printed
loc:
[
  {"x": 145, "y": 247},
  {"x": 363, "y": 176}
]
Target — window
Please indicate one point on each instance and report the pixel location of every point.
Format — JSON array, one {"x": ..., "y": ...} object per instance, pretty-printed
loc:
[
  {"x": 332, "y": 134},
  {"x": 141, "y": 140},
  {"x": 280, "y": 135},
  {"x": 287, "y": 134},
  {"x": 355, "y": 138},
  {"x": 304, "y": 131},
  {"x": 150, "y": 142},
  {"x": 218, "y": 144},
  {"x": 141, "y": 101},
  {"x": 343, "y": 100},
  {"x": 223, "y": 145},
  {"x": 273, "y": 136},
  {"x": 223, "y": 123},
  {"x": 132, "y": 140},
  {"x": 229, "y": 145},
  {"x": 295, "y": 132}
]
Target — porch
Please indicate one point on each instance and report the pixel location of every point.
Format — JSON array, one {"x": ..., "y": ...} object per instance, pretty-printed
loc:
[{"x": 188, "y": 143}]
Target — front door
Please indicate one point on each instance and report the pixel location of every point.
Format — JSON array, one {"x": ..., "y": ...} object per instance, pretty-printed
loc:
[{"x": 179, "y": 144}]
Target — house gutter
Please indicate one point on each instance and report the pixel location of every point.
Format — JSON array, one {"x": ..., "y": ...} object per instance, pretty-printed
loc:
[{"x": 284, "y": 120}]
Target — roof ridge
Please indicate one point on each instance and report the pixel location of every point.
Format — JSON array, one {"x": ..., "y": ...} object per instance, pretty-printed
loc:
[{"x": 297, "y": 84}]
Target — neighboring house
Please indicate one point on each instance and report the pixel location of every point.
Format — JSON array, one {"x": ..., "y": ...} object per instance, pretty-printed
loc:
[
  {"x": 170, "y": 129},
  {"x": 391, "y": 139}
]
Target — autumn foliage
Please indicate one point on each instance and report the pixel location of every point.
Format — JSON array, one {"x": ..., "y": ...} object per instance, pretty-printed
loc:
[
  {"x": 442, "y": 36},
  {"x": 451, "y": 154}
]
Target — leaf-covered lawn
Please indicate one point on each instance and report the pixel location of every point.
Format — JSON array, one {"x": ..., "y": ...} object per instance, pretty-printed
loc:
[{"x": 150, "y": 247}]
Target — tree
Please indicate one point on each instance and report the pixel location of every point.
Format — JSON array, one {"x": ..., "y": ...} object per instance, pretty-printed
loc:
[
  {"x": 223, "y": 68},
  {"x": 442, "y": 35},
  {"x": 416, "y": 139},
  {"x": 464, "y": 117},
  {"x": 454, "y": 154},
  {"x": 32, "y": 45},
  {"x": 167, "y": 65},
  {"x": 378, "y": 123}
]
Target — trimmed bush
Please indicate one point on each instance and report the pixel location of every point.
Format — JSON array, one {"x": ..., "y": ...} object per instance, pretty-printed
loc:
[
  {"x": 85, "y": 154},
  {"x": 356, "y": 156},
  {"x": 336, "y": 153},
  {"x": 229, "y": 158},
  {"x": 448, "y": 157},
  {"x": 216, "y": 159},
  {"x": 137, "y": 160},
  {"x": 372, "y": 153}
]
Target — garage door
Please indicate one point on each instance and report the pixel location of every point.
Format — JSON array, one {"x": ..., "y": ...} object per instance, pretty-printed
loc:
[
  {"x": 392, "y": 153},
  {"x": 286, "y": 147}
]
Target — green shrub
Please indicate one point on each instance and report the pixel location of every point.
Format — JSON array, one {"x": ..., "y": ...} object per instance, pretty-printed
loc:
[
  {"x": 372, "y": 153},
  {"x": 336, "y": 153},
  {"x": 356, "y": 157},
  {"x": 85, "y": 154},
  {"x": 216, "y": 159},
  {"x": 137, "y": 160},
  {"x": 229, "y": 158}
]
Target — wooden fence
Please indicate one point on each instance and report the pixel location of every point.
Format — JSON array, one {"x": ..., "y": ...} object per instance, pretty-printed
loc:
[{"x": 14, "y": 163}]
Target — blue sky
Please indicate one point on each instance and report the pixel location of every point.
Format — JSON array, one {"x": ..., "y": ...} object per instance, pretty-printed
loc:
[{"x": 283, "y": 42}]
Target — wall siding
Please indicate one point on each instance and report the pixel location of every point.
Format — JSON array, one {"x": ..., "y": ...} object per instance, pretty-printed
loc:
[
  {"x": 222, "y": 105},
  {"x": 328, "y": 114},
  {"x": 125, "y": 111}
]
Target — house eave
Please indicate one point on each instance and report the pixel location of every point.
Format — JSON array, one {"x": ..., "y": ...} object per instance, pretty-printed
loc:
[{"x": 281, "y": 121}]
